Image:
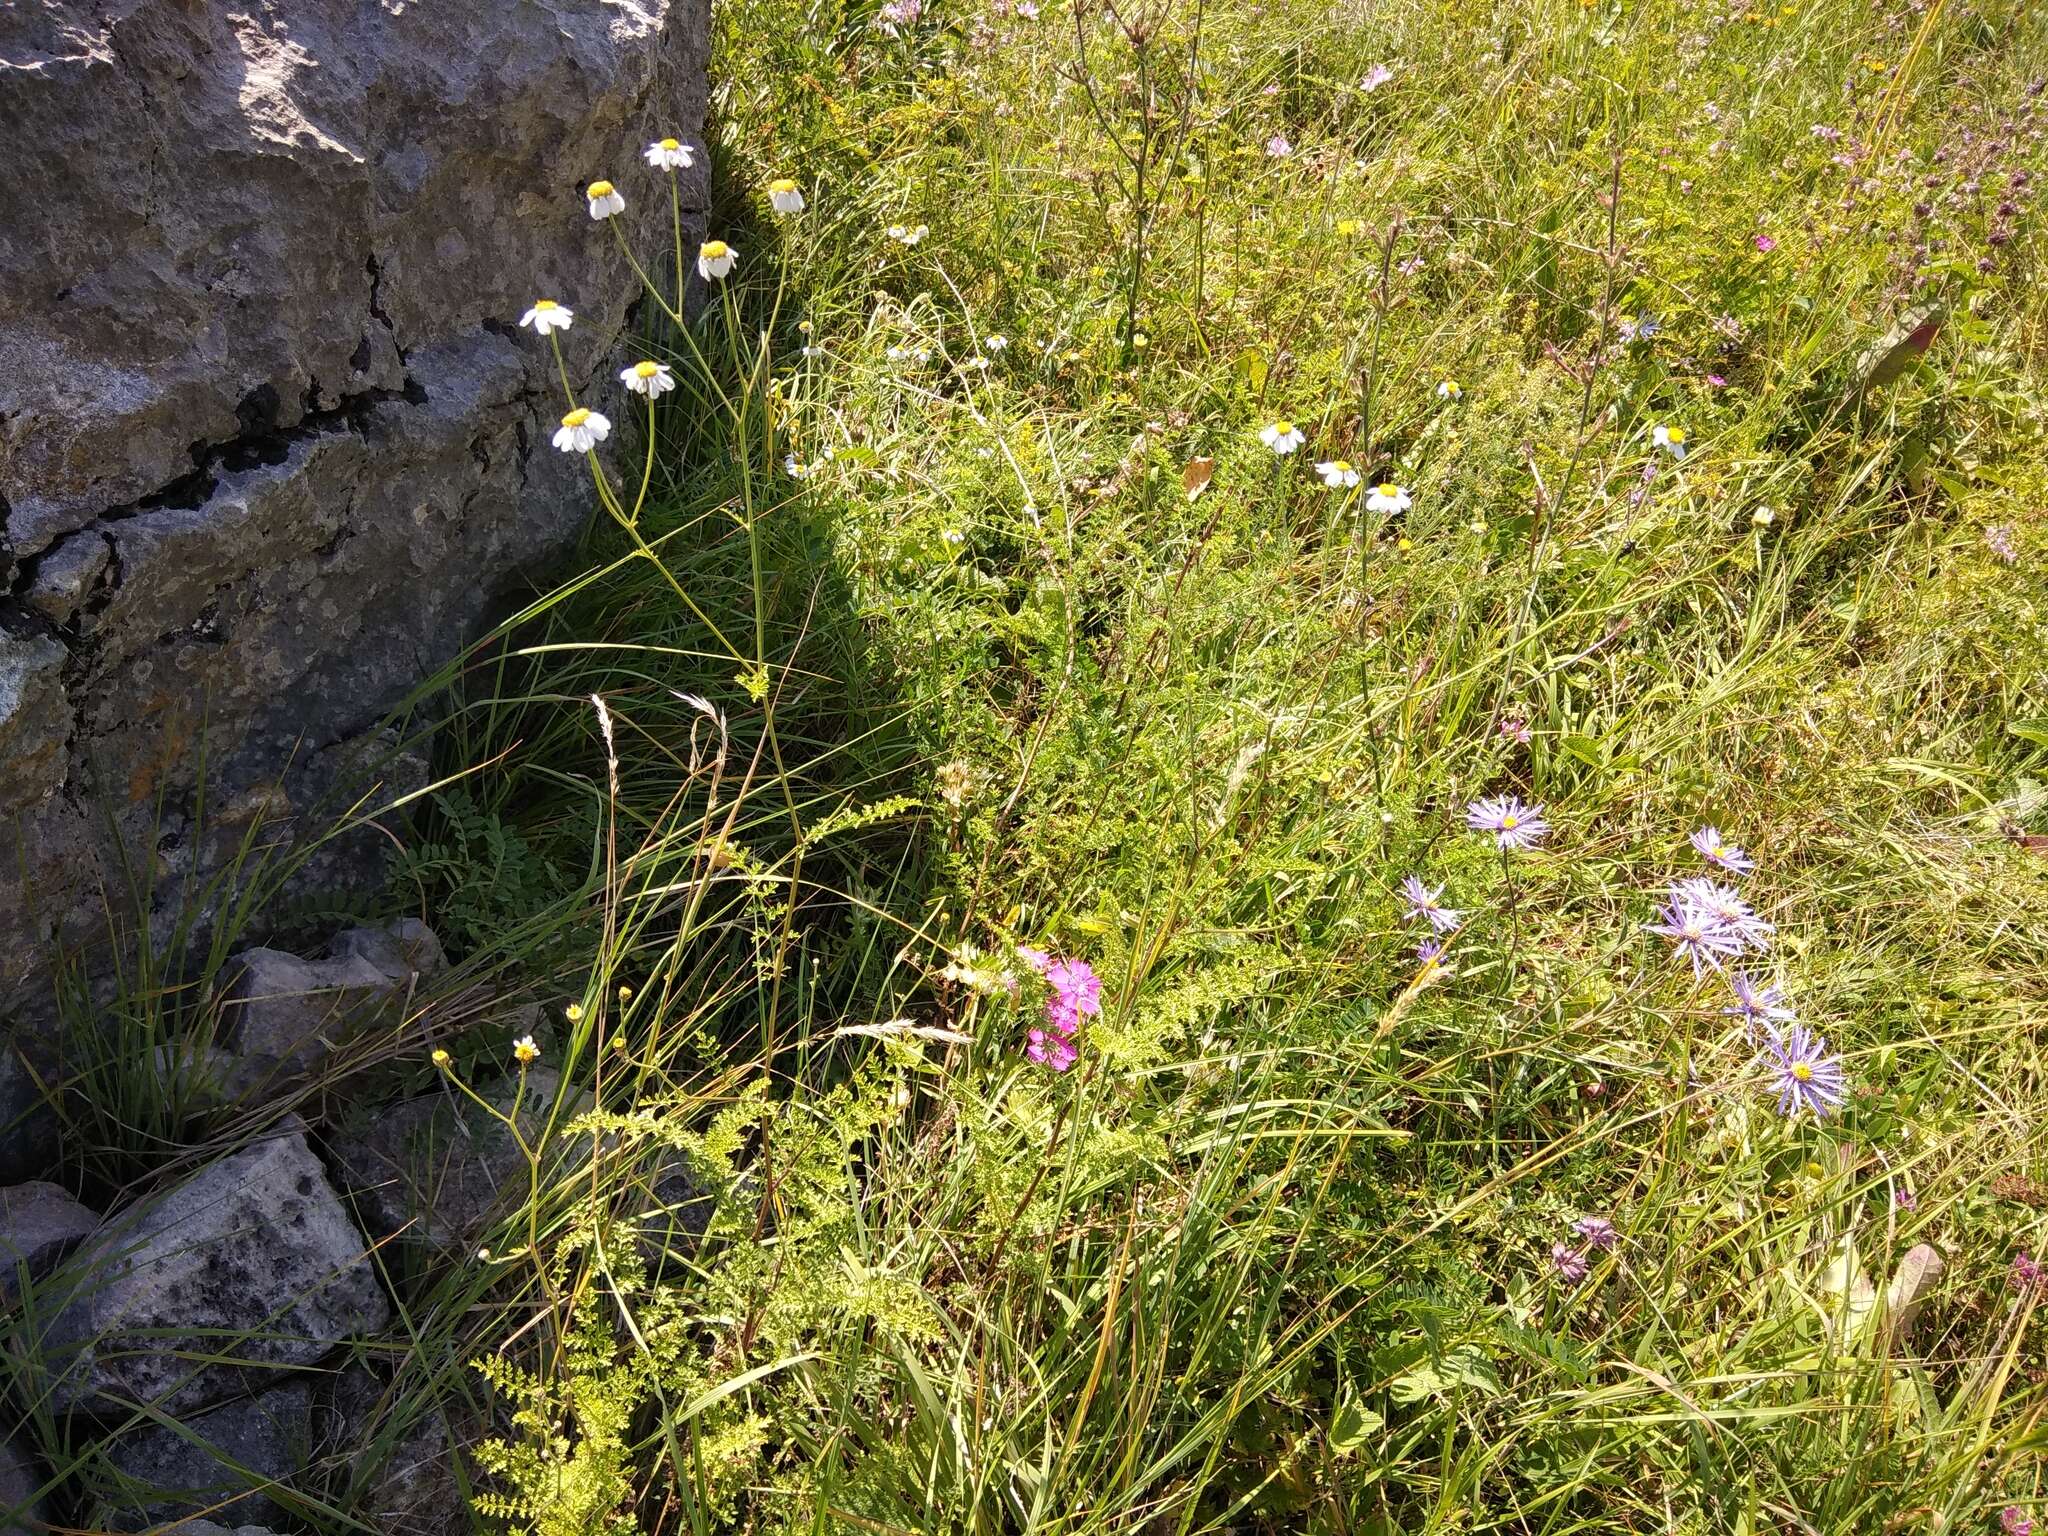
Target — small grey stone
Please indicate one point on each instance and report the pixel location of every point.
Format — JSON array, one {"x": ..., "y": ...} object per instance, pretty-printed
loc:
[
  {"x": 65, "y": 576},
  {"x": 20, "y": 1480},
  {"x": 399, "y": 950},
  {"x": 212, "y": 1528},
  {"x": 183, "y": 1299},
  {"x": 438, "y": 1170},
  {"x": 296, "y": 1011},
  {"x": 39, "y": 1224},
  {"x": 157, "y": 1474}
]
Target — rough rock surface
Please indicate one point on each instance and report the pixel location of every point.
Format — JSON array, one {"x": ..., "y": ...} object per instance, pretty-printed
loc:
[
  {"x": 159, "y": 1474},
  {"x": 271, "y": 445},
  {"x": 253, "y": 1259},
  {"x": 438, "y": 1170},
  {"x": 39, "y": 1224},
  {"x": 20, "y": 1478}
]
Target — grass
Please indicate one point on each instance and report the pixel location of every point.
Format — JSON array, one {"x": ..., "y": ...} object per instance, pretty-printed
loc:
[{"x": 1046, "y": 647}]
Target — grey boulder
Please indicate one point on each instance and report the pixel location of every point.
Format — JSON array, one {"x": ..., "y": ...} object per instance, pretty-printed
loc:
[
  {"x": 295, "y": 1011},
  {"x": 39, "y": 1224},
  {"x": 192, "y": 1296},
  {"x": 402, "y": 952},
  {"x": 225, "y": 1462},
  {"x": 272, "y": 447}
]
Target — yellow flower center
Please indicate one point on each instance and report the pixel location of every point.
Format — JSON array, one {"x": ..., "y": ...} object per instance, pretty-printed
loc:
[
  {"x": 782, "y": 184},
  {"x": 576, "y": 418},
  {"x": 671, "y": 145},
  {"x": 1803, "y": 1072},
  {"x": 544, "y": 305},
  {"x": 1509, "y": 823},
  {"x": 713, "y": 249},
  {"x": 1676, "y": 434},
  {"x": 1389, "y": 490},
  {"x": 1340, "y": 466},
  {"x": 646, "y": 370},
  {"x": 599, "y": 189},
  {"x": 1284, "y": 428}
]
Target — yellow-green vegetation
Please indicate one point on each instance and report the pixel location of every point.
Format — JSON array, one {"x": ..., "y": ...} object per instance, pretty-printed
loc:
[{"x": 1669, "y": 390}]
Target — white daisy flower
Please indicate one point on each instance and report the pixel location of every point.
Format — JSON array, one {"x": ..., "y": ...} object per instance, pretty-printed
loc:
[
  {"x": 785, "y": 196},
  {"x": 995, "y": 343},
  {"x": 904, "y": 235},
  {"x": 671, "y": 155},
  {"x": 649, "y": 379},
  {"x": 547, "y": 316},
  {"x": 813, "y": 350},
  {"x": 795, "y": 468},
  {"x": 1338, "y": 474},
  {"x": 714, "y": 259},
  {"x": 1450, "y": 389},
  {"x": 604, "y": 199},
  {"x": 1387, "y": 497},
  {"x": 582, "y": 430},
  {"x": 1670, "y": 439},
  {"x": 1281, "y": 436}
]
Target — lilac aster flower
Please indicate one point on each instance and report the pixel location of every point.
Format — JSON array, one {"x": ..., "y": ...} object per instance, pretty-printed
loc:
[
  {"x": 1716, "y": 849},
  {"x": 1905, "y": 1199},
  {"x": 1277, "y": 147},
  {"x": 1759, "y": 1007},
  {"x": 1805, "y": 1077},
  {"x": 2026, "y": 1274},
  {"x": 1696, "y": 932},
  {"x": 1726, "y": 903},
  {"x": 1998, "y": 538},
  {"x": 1375, "y": 77},
  {"x": 1571, "y": 1264},
  {"x": 1422, "y": 902},
  {"x": 1513, "y": 825},
  {"x": 1597, "y": 1232}
]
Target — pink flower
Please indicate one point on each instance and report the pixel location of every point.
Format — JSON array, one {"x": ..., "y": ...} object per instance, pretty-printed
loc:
[
  {"x": 1074, "y": 993},
  {"x": 2013, "y": 1521},
  {"x": 1278, "y": 148},
  {"x": 1766, "y": 243},
  {"x": 1375, "y": 77},
  {"x": 1715, "y": 381}
]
